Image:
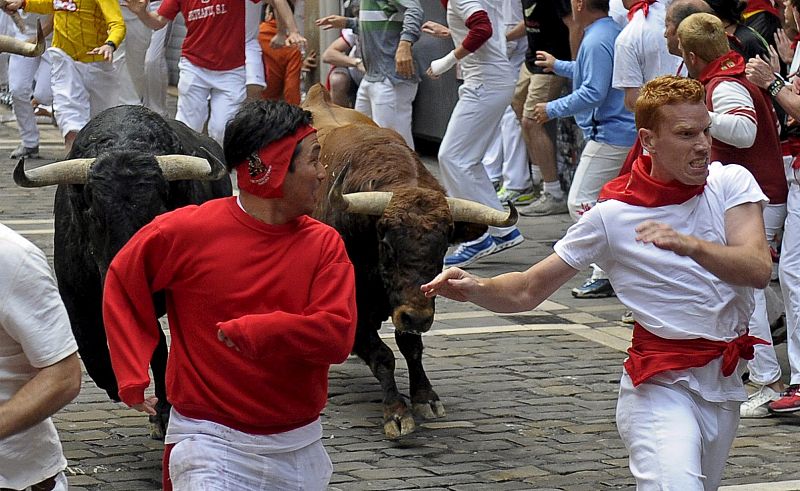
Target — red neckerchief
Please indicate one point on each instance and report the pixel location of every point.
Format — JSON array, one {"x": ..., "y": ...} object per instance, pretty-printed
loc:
[
  {"x": 262, "y": 174},
  {"x": 756, "y": 6},
  {"x": 727, "y": 65},
  {"x": 650, "y": 355},
  {"x": 643, "y": 5},
  {"x": 639, "y": 189}
]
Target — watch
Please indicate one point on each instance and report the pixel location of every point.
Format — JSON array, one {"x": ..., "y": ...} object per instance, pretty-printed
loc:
[
  {"x": 111, "y": 43},
  {"x": 775, "y": 87}
]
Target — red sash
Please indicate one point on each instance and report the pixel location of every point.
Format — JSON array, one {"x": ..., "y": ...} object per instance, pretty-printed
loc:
[
  {"x": 643, "y": 5},
  {"x": 650, "y": 355}
]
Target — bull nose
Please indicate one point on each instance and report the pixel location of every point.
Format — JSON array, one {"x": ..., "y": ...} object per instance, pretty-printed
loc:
[{"x": 408, "y": 319}]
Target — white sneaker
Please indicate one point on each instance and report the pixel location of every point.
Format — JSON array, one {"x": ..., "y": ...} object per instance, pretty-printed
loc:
[{"x": 757, "y": 405}]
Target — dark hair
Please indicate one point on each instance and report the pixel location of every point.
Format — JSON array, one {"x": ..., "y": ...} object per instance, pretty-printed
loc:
[
  {"x": 680, "y": 10},
  {"x": 728, "y": 10},
  {"x": 257, "y": 124},
  {"x": 600, "y": 5}
]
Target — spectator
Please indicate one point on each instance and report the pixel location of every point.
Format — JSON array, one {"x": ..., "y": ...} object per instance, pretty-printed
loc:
[
  {"x": 600, "y": 112},
  {"x": 681, "y": 240},
  {"x": 253, "y": 332},
  {"x": 255, "y": 78},
  {"x": 282, "y": 63},
  {"x": 485, "y": 94},
  {"x": 387, "y": 31},
  {"x": 84, "y": 82},
  {"x": 545, "y": 32},
  {"x": 21, "y": 70},
  {"x": 744, "y": 40},
  {"x": 39, "y": 368},
  {"x": 763, "y": 75},
  {"x": 744, "y": 129},
  {"x": 676, "y": 12},
  {"x": 347, "y": 70}
]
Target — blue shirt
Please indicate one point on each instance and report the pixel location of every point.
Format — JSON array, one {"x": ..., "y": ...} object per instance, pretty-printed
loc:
[{"x": 599, "y": 109}]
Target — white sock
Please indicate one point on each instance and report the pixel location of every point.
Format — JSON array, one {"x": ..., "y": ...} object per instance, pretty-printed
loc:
[
  {"x": 553, "y": 189},
  {"x": 536, "y": 175}
]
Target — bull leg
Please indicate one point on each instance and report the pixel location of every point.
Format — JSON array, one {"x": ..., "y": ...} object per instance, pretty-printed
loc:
[
  {"x": 397, "y": 418},
  {"x": 425, "y": 401},
  {"x": 158, "y": 363}
]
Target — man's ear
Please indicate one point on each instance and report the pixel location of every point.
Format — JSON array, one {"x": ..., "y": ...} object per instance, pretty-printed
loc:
[{"x": 647, "y": 138}]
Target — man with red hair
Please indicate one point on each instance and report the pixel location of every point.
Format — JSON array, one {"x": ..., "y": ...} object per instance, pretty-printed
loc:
[{"x": 683, "y": 245}]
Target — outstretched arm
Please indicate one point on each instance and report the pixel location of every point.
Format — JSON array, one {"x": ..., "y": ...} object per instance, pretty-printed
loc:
[
  {"x": 148, "y": 18},
  {"x": 510, "y": 292}
]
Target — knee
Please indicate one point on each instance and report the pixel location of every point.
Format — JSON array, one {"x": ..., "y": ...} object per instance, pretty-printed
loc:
[
  {"x": 20, "y": 89},
  {"x": 530, "y": 126}
]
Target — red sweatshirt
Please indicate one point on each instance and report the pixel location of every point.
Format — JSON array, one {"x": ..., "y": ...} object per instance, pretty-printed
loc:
[{"x": 284, "y": 294}]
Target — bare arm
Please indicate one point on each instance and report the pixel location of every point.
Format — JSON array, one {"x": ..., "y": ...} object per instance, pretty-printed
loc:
[
  {"x": 516, "y": 32},
  {"x": 510, "y": 292},
  {"x": 336, "y": 54},
  {"x": 148, "y": 18},
  {"x": 759, "y": 72},
  {"x": 631, "y": 94},
  {"x": 743, "y": 261},
  {"x": 47, "y": 392},
  {"x": 285, "y": 20}
]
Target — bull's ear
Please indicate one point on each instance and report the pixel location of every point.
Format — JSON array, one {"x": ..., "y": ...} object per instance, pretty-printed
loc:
[{"x": 466, "y": 231}]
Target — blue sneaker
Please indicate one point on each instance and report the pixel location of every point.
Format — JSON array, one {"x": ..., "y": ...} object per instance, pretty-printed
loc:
[
  {"x": 469, "y": 252},
  {"x": 508, "y": 240}
]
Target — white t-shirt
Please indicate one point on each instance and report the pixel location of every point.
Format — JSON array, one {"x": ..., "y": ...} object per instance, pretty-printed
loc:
[
  {"x": 34, "y": 333},
  {"x": 618, "y": 12},
  {"x": 488, "y": 64},
  {"x": 670, "y": 295},
  {"x": 640, "y": 51}
]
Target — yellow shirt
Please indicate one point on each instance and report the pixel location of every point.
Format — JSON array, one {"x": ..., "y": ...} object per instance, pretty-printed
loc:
[{"x": 79, "y": 26}]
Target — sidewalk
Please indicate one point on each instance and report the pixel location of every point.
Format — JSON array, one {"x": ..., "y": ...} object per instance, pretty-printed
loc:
[{"x": 530, "y": 398}]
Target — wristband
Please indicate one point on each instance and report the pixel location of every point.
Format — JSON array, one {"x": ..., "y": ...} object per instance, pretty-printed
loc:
[
  {"x": 441, "y": 65},
  {"x": 775, "y": 87},
  {"x": 111, "y": 43}
]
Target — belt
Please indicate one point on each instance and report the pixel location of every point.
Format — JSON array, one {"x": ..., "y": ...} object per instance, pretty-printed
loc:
[{"x": 47, "y": 485}]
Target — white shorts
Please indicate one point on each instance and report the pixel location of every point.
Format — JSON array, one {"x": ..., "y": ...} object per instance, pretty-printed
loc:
[{"x": 254, "y": 63}]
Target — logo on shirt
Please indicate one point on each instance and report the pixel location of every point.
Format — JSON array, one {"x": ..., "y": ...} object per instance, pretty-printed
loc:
[{"x": 205, "y": 12}]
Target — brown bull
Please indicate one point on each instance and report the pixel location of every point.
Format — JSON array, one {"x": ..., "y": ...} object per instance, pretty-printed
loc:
[{"x": 397, "y": 223}]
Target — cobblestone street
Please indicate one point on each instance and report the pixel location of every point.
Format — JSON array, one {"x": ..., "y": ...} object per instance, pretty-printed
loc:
[{"x": 530, "y": 398}]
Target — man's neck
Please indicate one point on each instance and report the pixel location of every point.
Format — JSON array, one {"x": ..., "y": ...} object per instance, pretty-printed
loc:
[
  {"x": 589, "y": 17},
  {"x": 270, "y": 211}
]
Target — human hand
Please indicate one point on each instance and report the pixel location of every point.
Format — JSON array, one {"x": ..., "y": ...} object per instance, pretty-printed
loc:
[
  {"x": 106, "y": 51},
  {"x": 295, "y": 39},
  {"x": 403, "y": 60},
  {"x": 540, "y": 113},
  {"x": 436, "y": 30},
  {"x": 545, "y": 60},
  {"x": 278, "y": 41},
  {"x": 310, "y": 61},
  {"x": 148, "y": 406},
  {"x": 453, "y": 283},
  {"x": 331, "y": 21},
  {"x": 442, "y": 65},
  {"x": 784, "y": 45},
  {"x": 773, "y": 59},
  {"x": 665, "y": 237},
  {"x": 138, "y": 7},
  {"x": 225, "y": 339},
  {"x": 759, "y": 72}
]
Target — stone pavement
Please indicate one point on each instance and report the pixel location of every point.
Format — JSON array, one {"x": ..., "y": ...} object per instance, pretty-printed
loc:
[{"x": 529, "y": 397}]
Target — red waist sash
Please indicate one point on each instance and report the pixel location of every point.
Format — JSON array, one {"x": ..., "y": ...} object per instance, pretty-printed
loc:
[{"x": 650, "y": 355}]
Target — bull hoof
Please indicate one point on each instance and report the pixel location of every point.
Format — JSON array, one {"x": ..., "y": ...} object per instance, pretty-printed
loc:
[
  {"x": 399, "y": 426},
  {"x": 429, "y": 409}
]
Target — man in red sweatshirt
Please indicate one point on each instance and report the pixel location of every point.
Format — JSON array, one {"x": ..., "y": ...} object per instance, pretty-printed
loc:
[
  {"x": 683, "y": 245},
  {"x": 261, "y": 301}
]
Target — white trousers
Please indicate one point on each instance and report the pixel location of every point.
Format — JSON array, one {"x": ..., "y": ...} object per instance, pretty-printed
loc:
[
  {"x": 141, "y": 61},
  {"x": 80, "y": 90},
  {"x": 226, "y": 90},
  {"x": 599, "y": 163},
  {"x": 254, "y": 63},
  {"x": 22, "y": 71},
  {"x": 206, "y": 463},
  {"x": 506, "y": 159},
  {"x": 764, "y": 367},
  {"x": 789, "y": 274},
  {"x": 676, "y": 440},
  {"x": 389, "y": 105},
  {"x": 468, "y": 135}
]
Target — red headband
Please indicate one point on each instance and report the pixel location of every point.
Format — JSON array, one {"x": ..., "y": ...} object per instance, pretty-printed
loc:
[{"x": 262, "y": 174}]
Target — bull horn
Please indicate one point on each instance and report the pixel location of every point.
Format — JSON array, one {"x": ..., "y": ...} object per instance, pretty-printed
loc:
[
  {"x": 186, "y": 167},
  {"x": 10, "y": 44},
  {"x": 72, "y": 171},
  {"x": 365, "y": 203},
  {"x": 464, "y": 210}
]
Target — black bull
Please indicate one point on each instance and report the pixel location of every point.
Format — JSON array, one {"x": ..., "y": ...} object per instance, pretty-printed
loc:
[{"x": 111, "y": 185}]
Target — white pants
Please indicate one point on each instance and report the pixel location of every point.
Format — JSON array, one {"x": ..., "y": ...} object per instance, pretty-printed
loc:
[
  {"x": 389, "y": 105},
  {"x": 254, "y": 63},
  {"x": 764, "y": 367},
  {"x": 80, "y": 90},
  {"x": 506, "y": 159},
  {"x": 205, "y": 462},
  {"x": 600, "y": 162},
  {"x": 789, "y": 274},
  {"x": 141, "y": 61},
  {"x": 469, "y": 132},
  {"x": 226, "y": 90},
  {"x": 22, "y": 71},
  {"x": 676, "y": 440}
]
